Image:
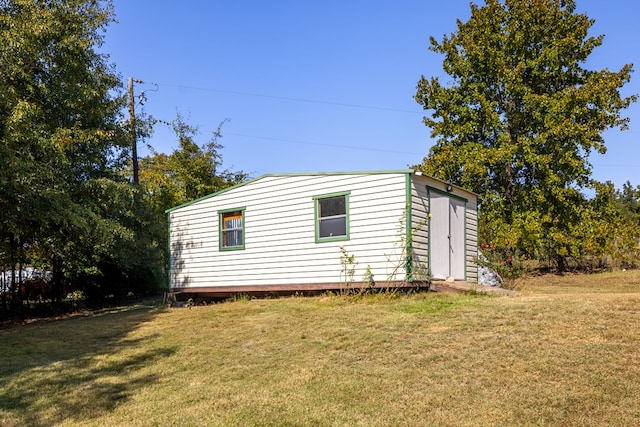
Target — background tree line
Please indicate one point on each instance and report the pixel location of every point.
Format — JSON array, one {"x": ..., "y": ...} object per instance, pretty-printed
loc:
[{"x": 67, "y": 201}]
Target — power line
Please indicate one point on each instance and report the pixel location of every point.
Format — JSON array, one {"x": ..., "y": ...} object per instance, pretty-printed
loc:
[
  {"x": 322, "y": 144},
  {"x": 315, "y": 101},
  {"x": 285, "y": 98}
]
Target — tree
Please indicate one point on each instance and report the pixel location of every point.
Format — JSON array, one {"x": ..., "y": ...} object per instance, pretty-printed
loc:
[
  {"x": 521, "y": 117},
  {"x": 61, "y": 142},
  {"x": 191, "y": 171},
  {"x": 630, "y": 199}
]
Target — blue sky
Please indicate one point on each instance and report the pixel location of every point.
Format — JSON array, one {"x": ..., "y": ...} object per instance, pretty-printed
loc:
[{"x": 322, "y": 85}]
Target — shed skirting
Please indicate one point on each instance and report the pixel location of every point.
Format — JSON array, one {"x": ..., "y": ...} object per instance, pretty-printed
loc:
[{"x": 221, "y": 291}]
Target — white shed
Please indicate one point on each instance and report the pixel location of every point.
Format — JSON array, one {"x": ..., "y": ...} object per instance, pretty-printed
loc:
[{"x": 322, "y": 231}]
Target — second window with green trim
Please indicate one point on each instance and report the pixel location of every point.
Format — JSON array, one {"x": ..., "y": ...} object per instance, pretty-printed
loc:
[{"x": 332, "y": 216}]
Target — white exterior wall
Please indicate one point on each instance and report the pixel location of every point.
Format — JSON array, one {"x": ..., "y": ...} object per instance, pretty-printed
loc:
[
  {"x": 279, "y": 232},
  {"x": 471, "y": 226},
  {"x": 420, "y": 227}
]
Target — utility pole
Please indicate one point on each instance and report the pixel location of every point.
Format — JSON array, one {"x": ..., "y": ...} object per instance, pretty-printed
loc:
[{"x": 132, "y": 122}]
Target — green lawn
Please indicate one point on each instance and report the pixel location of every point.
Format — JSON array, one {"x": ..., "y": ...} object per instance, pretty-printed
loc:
[{"x": 566, "y": 351}]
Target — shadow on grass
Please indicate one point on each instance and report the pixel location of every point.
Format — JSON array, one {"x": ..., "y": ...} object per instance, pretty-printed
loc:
[{"x": 75, "y": 369}]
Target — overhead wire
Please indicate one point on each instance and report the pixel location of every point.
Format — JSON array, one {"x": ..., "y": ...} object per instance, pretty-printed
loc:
[
  {"x": 315, "y": 101},
  {"x": 286, "y": 98},
  {"x": 306, "y": 100},
  {"x": 322, "y": 144}
]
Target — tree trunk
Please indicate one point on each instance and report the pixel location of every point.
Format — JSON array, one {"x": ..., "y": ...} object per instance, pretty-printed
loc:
[
  {"x": 13, "y": 294},
  {"x": 562, "y": 266},
  {"x": 57, "y": 280}
]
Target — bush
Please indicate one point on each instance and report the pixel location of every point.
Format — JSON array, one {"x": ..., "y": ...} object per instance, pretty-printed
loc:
[{"x": 506, "y": 262}]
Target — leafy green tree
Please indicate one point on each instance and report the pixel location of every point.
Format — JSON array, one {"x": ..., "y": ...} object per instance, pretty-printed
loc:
[
  {"x": 191, "y": 171},
  {"x": 521, "y": 117},
  {"x": 629, "y": 197},
  {"x": 626, "y": 237},
  {"x": 607, "y": 231},
  {"x": 61, "y": 143}
]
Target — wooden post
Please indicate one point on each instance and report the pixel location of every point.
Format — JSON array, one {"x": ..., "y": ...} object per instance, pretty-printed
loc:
[{"x": 134, "y": 142}]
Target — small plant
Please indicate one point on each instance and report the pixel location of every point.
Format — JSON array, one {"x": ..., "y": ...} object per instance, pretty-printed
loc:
[
  {"x": 369, "y": 281},
  {"x": 416, "y": 271},
  {"x": 349, "y": 264},
  {"x": 77, "y": 299},
  {"x": 77, "y": 296},
  {"x": 241, "y": 297},
  {"x": 368, "y": 284}
]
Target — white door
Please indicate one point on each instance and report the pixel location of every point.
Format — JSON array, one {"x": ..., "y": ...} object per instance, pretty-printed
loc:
[{"x": 446, "y": 235}]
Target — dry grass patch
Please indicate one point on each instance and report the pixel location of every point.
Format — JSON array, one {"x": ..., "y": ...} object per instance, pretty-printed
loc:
[{"x": 563, "y": 352}]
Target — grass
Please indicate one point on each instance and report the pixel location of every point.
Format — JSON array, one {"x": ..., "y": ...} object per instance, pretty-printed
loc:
[{"x": 563, "y": 352}]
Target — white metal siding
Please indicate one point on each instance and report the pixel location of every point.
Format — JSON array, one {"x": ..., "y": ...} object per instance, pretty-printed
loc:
[
  {"x": 471, "y": 225},
  {"x": 420, "y": 228},
  {"x": 280, "y": 245}
]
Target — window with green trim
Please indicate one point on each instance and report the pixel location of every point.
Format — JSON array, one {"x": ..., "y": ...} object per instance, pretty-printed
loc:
[
  {"x": 232, "y": 229},
  {"x": 332, "y": 217}
]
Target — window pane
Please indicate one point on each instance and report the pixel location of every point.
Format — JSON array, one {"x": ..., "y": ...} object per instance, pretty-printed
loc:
[
  {"x": 332, "y": 206},
  {"x": 332, "y": 227},
  {"x": 232, "y": 223},
  {"x": 231, "y": 218},
  {"x": 232, "y": 229},
  {"x": 232, "y": 238}
]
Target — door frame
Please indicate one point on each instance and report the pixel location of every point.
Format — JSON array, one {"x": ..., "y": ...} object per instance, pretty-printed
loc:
[{"x": 464, "y": 201}]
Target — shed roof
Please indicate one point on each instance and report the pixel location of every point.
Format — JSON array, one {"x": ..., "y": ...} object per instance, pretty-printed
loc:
[{"x": 372, "y": 172}]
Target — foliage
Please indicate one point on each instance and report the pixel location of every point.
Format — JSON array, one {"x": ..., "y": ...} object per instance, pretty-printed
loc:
[
  {"x": 67, "y": 203},
  {"x": 606, "y": 234},
  {"x": 505, "y": 262},
  {"x": 191, "y": 171},
  {"x": 401, "y": 261},
  {"x": 610, "y": 228},
  {"x": 521, "y": 117},
  {"x": 629, "y": 199},
  {"x": 368, "y": 280},
  {"x": 61, "y": 143},
  {"x": 415, "y": 269},
  {"x": 349, "y": 264}
]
